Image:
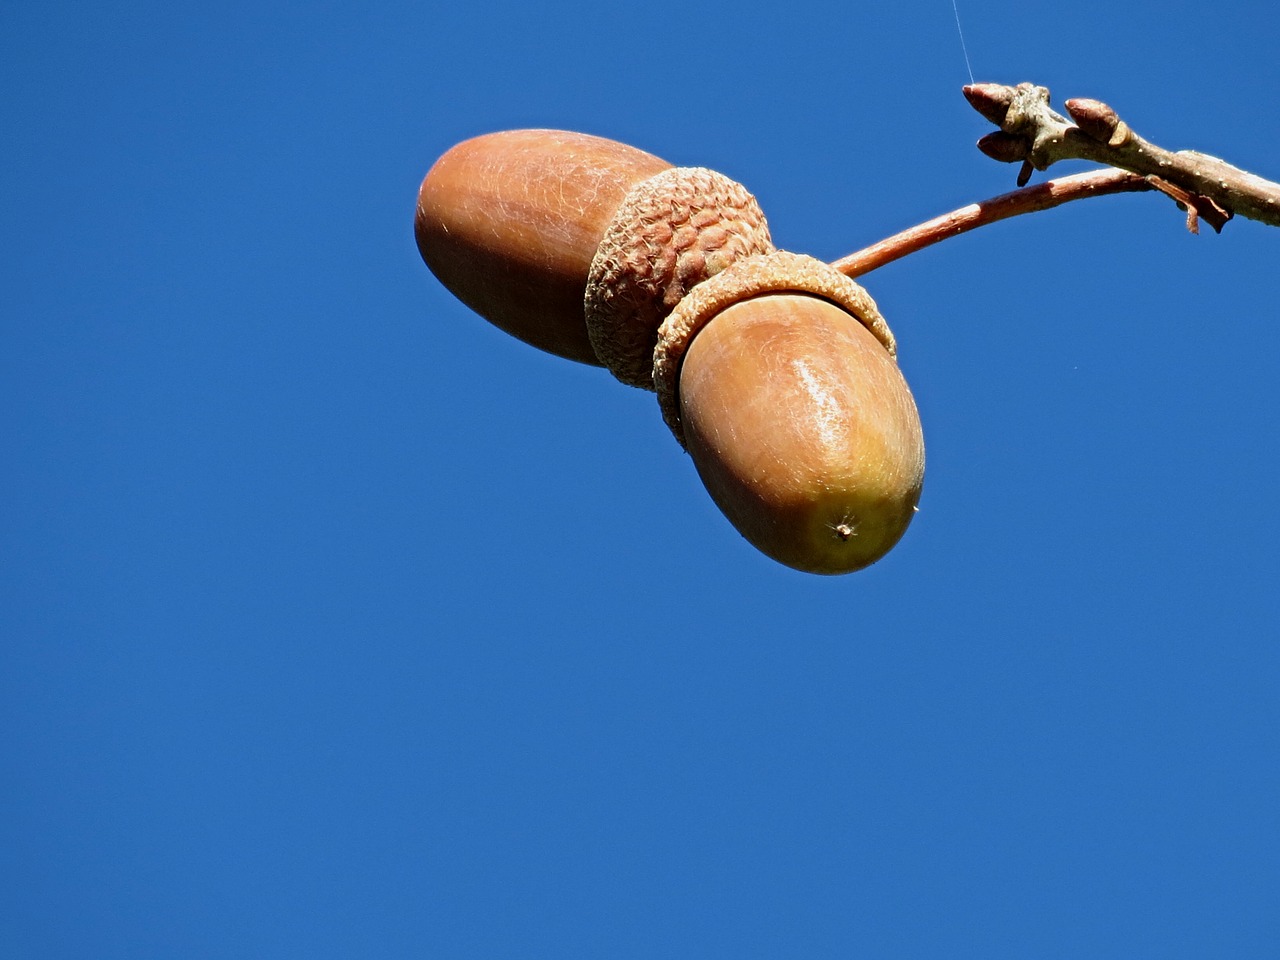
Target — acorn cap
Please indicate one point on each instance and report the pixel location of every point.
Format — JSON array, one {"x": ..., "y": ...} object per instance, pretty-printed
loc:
[{"x": 670, "y": 233}]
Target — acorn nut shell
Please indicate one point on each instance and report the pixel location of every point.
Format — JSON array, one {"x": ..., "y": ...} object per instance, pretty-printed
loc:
[
  {"x": 577, "y": 244},
  {"x": 510, "y": 223},
  {"x": 800, "y": 424}
]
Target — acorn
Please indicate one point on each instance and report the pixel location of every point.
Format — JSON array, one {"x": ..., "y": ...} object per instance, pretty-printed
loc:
[
  {"x": 779, "y": 377},
  {"x": 579, "y": 245},
  {"x": 776, "y": 372}
]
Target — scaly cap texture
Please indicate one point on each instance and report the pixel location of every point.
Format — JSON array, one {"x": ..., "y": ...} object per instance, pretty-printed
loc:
[{"x": 671, "y": 232}]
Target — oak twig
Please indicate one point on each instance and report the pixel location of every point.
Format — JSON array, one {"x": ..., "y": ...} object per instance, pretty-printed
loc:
[
  {"x": 1045, "y": 196},
  {"x": 1031, "y": 132}
]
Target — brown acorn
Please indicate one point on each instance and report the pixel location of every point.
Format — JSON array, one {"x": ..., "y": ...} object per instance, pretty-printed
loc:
[
  {"x": 577, "y": 244},
  {"x": 776, "y": 372},
  {"x": 779, "y": 377}
]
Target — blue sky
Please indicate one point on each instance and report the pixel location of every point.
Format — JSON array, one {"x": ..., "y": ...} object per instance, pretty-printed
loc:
[{"x": 337, "y": 623}]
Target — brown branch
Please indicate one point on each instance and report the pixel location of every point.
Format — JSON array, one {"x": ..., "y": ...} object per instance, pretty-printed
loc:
[
  {"x": 1031, "y": 132},
  {"x": 1045, "y": 196}
]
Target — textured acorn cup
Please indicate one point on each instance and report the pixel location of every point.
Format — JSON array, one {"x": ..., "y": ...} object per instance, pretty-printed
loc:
[
  {"x": 795, "y": 413},
  {"x": 577, "y": 244}
]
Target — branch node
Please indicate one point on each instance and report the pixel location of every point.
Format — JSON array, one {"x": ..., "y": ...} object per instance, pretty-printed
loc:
[{"x": 1198, "y": 206}]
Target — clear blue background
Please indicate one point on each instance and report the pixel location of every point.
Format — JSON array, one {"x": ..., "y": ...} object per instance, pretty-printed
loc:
[{"x": 336, "y": 623}]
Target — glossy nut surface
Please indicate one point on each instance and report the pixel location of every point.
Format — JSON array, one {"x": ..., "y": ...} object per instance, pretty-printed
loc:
[
  {"x": 803, "y": 430},
  {"x": 510, "y": 222}
]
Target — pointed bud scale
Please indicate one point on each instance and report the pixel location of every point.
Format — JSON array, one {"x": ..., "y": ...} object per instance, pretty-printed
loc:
[
  {"x": 992, "y": 100},
  {"x": 1005, "y": 147},
  {"x": 1098, "y": 121}
]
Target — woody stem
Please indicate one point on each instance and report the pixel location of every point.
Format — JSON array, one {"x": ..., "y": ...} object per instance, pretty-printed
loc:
[{"x": 1044, "y": 196}]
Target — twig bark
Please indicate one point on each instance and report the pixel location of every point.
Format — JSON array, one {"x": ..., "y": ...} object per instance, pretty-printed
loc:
[
  {"x": 1031, "y": 132},
  {"x": 1044, "y": 196}
]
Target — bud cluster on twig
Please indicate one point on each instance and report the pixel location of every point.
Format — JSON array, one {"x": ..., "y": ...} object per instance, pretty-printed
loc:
[{"x": 1032, "y": 133}]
